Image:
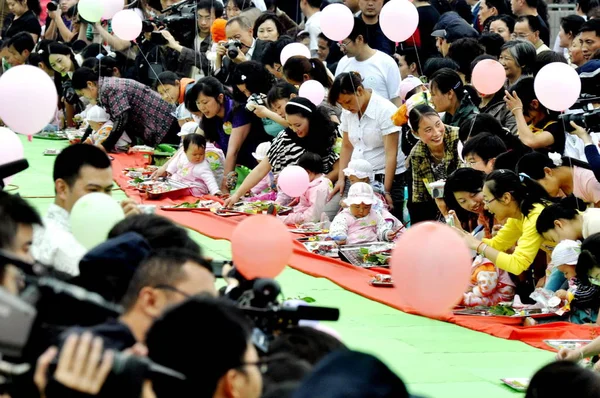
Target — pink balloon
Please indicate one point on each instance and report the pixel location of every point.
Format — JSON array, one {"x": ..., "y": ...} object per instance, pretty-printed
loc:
[
  {"x": 337, "y": 21},
  {"x": 399, "y": 20},
  {"x": 488, "y": 76},
  {"x": 11, "y": 148},
  {"x": 28, "y": 99},
  {"x": 127, "y": 25},
  {"x": 293, "y": 49},
  {"x": 312, "y": 90},
  {"x": 261, "y": 247},
  {"x": 431, "y": 279},
  {"x": 557, "y": 86},
  {"x": 293, "y": 181},
  {"x": 111, "y": 7}
]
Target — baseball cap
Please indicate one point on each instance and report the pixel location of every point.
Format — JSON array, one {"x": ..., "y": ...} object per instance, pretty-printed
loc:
[
  {"x": 359, "y": 168},
  {"x": 409, "y": 84},
  {"x": 188, "y": 128},
  {"x": 96, "y": 114},
  {"x": 454, "y": 30},
  {"x": 261, "y": 151},
  {"x": 566, "y": 252},
  {"x": 360, "y": 192}
]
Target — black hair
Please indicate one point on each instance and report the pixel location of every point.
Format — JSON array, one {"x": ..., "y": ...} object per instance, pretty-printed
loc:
[
  {"x": 502, "y": 6},
  {"x": 312, "y": 162},
  {"x": 70, "y": 160},
  {"x": 168, "y": 78},
  {"x": 589, "y": 258},
  {"x": 525, "y": 91},
  {"x": 432, "y": 65},
  {"x": 564, "y": 378},
  {"x": 176, "y": 343},
  {"x": 463, "y": 52},
  {"x": 93, "y": 50},
  {"x": 56, "y": 48},
  {"x": 162, "y": 268},
  {"x": 481, "y": 58},
  {"x": 464, "y": 179},
  {"x": 506, "y": 18},
  {"x": 591, "y": 25},
  {"x": 523, "y": 53},
  {"x": 196, "y": 139},
  {"x": 255, "y": 76},
  {"x": 534, "y": 163},
  {"x": 33, "y": 5},
  {"x": 417, "y": 113},
  {"x": 492, "y": 42},
  {"x": 359, "y": 29},
  {"x": 22, "y": 41},
  {"x": 106, "y": 65},
  {"x": 272, "y": 53},
  {"x": 241, "y": 4},
  {"x": 552, "y": 213},
  {"x": 534, "y": 23},
  {"x": 281, "y": 90},
  {"x": 160, "y": 232},
  {"x": 14, "y": 211},
  {"x": 446, "y": 80},
  {"x": 210, "y": 5},
  {"x": 485, "y": 145},
  {"x": 524, "y": 191},
  {"x": 322, "y": 131},
  {"x": 268, "y": 16},
  {"x": 547, "y": 57},
  {"x": 412, "y": 55},
  {"x": 344, "y": 83},
  {"x": 484, "y": 122},
  {"x": 315, "y": 3},
  {"x": 82, "y": 76},
  {"x": 285, "y": 368},
  {"x": 541, "y": 8},
  {"x": 305, "y": 343},
  {"x": 280, "y": 390},
  {"x": 296, "y": 67},
  {"x": 587, "y": 5},
  {"x": 210, "y": 87},
  {"x": 571, "y": 24}
]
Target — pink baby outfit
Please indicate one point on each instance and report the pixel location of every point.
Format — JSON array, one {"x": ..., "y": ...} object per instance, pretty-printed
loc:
[
  {"x": 312, "y": 202},
  {"x": 369, "y": 229},
  {"x": 489, "y": 285},
  {"x": 198, "y": 175}
]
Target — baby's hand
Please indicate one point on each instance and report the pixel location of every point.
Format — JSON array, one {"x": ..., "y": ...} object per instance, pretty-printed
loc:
[{"x": 561, "y": 294}]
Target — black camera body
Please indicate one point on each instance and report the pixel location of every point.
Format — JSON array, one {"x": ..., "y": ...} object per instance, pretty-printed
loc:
[
  {"x": 180, "y": 20},
  {"x": 52, "y": 6},
  {"x": 233, "y": 48},
  {"x": 586, "y": 115}
]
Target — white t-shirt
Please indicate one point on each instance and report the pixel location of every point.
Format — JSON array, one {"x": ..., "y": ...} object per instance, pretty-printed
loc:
[
  {"x": 366, "y": 135},
  {"x": 380, "y": 73},
  {"x": 313, "y": 27}
]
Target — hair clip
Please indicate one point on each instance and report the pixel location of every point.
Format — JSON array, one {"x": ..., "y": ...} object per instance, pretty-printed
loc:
[
  {"x": 112, "y": 54},
  {"x": 556, "y": 158},
  {"x": 243, "y": 78},
  {"x": 100, "y": 56},
  {"x": 523, "y": 176}
]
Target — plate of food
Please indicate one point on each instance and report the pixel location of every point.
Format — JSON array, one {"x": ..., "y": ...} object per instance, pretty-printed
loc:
[
  {"x": 199, "y": 205},
  {"x": 224, "y": 212},
  {"x": 568, "y": 343},
  {"x": 503, "y": 310},
  {"x": 314, "y": 238},
  {"x": 157, "y": 188},
  {"x": 325, "y": 248},
  {"x": 261, "y": 207},
  {"x": 382, "y": 280},
  {"x": 366, "y": 255},
  {"x": 137, "y": 172},
  {"x": 309, "y": 228},
  {"x": 52, "y": 152},
  {"x": 517, "y": 384},
  {"x": 52, "y": 135},
  {"x": 141, "y": 148}
]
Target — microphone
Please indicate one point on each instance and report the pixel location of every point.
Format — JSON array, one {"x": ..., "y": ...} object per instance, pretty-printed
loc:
[{"x": 12, "y": 168}]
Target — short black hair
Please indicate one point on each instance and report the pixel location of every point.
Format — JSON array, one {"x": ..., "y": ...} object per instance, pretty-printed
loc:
[
  {"x": 564, "y": 378},
  {"x": 534, "y": 23},
  {"x": 210, "y": 4},
  {"x": 69, "y": 162},
  {"x": 282, "y": 90},
  {"x": 359, "y": 29},
  {"x": 436, "y": 63},
  {"x": 272, "y": 53},
  {"x": 571, "y": 24},
  {"x": 463, "y": 52},
  {"x": 81, "y": 76},
  {"x": 167, "y": 77},
  {"x": 160, "y": 232},
  {"x": 552, "y": 213},
  {"x": 196, "y": 139},
  {"x": 305, "y": 343},
  {"x": 344, "y": 83},
  {"x": 525, "y": 90},
  {"x": 22, "y": 41},
  {"x": 412, "y": 55},
  {"x": 485, "y": 145},
  {"x": 547, "y": 57},
  {"x": 268, "y": 16},
  {"x": 591, "y": 25},
  {"x": 162, "y": 268},
  {"x": 492, "y": 42},
  {"x": 14, "y": 211},
  {"x": 589, "y": 258},
  {"x": 312, "y": 162},
  {"x": 175, "y": 342}
]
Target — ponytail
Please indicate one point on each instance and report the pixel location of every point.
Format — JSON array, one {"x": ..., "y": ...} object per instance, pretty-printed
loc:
[
  {"x": 588, "y": 259},
  {"x": 525, "y": 191},
  {"x": 296, "y": 67},
  {"x": 534, "y": 163}
]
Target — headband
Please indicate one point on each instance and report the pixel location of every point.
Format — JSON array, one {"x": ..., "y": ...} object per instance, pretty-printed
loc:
[{"x": 299, "y": 105}]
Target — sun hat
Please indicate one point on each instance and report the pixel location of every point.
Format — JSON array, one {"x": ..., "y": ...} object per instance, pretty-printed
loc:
[
  {"x": 360, "y": 168},
  {"x": 188, "y": 128},
  {"x": 96, "y": 114},
  {"x": 181, "y": 113},
  {"x": 566, "y": 252},
  {"x": 261, "y": 151},
  {"x": 360, "y": 192},
  {"x": 408, "y": 84}
]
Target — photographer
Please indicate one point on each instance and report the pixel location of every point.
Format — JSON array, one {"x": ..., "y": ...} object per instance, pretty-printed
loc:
[
  {"x": 240, "y": 47},
  {"x": 61, "y": 24}
]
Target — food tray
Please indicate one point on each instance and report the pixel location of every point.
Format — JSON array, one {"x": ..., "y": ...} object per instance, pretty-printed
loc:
[
  {"x": 517, "y": 384},
  {"x": 484, "y": 311},
  {"x": 307, "y": 231},
  {"x": 223, "y": 212},
  {"x": 200, "y": 205},
  {"x": 326, "y": 248},
  {"x": 382, "y": 280},
  {"x": 52, "y": 135},
  {"x": 351, "y": 253},
  {"x": 259, "y": 207},
  {"x": 569, "y": 344},
  {"x": 176, "y": 189}
]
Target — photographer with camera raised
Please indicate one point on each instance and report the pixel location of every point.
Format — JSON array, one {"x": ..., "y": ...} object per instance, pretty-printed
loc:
[
  {"x": 61, "y": 23},
  {"x": 192, "y": 62},
  {"x": 241, "y": 46}
]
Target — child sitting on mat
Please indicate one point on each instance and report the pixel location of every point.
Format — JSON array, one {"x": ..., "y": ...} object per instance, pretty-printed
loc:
[
  {"x": 489, "y": 285},
  {"x": 312, "y": 202},
  {"x": 191, "y": 167},
  {"x": 214, "y": 156},
  {"x": 359, "y": 222},
  {"x": 100, "y": 122},
  {"x": 265, "y": 185}
]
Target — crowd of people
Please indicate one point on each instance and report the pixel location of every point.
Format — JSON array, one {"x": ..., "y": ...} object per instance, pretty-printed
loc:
[{"x": 402, "y": 136}]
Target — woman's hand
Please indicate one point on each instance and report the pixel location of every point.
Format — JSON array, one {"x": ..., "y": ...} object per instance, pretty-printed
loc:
[
  {"x": 561, "y": 294},
  {"x": 232, "y": 200},
  {"x": 261, "y": 111},
  {"x": 389, "y": 200},
  {"x": 171, "y": 42},
  {"x": 513, "y": 102},
  {"x": 569, "y": 355},
  {"x": 339, "y": 187},
  {"x": 471, "y": 241},
  {"x": 456, "y": 221},
  {"x": 55, "y": 14},
  {"x": 495, "y": 229},
  {"x": 581, "y": 133}
]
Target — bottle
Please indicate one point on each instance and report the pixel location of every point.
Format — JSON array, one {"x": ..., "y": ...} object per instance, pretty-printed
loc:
[{"x": 405, "y": 213}]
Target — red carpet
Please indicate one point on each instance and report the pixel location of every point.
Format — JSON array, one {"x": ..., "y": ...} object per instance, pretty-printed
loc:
[{"x": 348, "y": 276}]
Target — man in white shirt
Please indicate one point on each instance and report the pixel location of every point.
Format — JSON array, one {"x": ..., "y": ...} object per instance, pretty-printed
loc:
[
  {"x": 78, "y": 170},
  {"x": 312, "y": 12},
  {"x": 379, "y": 71}
]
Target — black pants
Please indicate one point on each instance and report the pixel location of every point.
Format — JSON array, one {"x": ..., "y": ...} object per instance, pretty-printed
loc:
[{"x": 397, "y": 192}]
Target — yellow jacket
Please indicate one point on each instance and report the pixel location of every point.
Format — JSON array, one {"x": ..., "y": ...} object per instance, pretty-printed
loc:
[{"x": 522, "y": 232}]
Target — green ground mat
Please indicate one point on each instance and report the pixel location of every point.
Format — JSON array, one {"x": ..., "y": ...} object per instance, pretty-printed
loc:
[{"x": 436, "y": 359}]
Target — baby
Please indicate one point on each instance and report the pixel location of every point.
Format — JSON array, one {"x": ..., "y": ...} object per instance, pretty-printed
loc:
[
  {"x": 312, "y": 202},
  {"x": 489, "y": 285},
  {"x": 266, "y": 183},
  {"x": 359, "y": 222},
  {"x": 99, "y": 121},
  {"x": 190, "y": 166},
  {"x": 214, "y": 156}
]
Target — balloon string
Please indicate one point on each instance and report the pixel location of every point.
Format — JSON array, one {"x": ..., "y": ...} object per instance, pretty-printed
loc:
[{"x": 150, "y": 66}]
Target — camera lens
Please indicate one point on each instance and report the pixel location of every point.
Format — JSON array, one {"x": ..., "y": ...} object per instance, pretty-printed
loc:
[
  {"x": 232, "y": 52},
  {"x": 52, "y": 6}
]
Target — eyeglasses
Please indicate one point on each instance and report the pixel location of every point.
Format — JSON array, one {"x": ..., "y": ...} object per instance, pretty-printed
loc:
[
  {"x": 344, "y": 45},
  {"x": 263, "y": 364},
  {"x": 487, "y": 202},
  {"x": 172, "y": 289}
]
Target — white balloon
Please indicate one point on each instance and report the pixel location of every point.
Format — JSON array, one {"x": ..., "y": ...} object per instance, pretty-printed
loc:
[{"x": 292, "y": 50}]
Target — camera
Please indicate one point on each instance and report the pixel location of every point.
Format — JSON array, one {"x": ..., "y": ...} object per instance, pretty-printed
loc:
[
  {"x": 10, "y": 169},
  {"x": 179, "y": 20},
  {"x": 437, "y": 189},
  {"x": 254, "y": 100},
  {"x": 233, "y": 48},
  {"x": 52, "y": 6},
  {"x": 585, "y": 114}
]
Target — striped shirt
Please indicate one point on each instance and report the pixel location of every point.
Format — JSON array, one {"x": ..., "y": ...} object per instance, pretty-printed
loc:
[{"x": 285, "y": 152}]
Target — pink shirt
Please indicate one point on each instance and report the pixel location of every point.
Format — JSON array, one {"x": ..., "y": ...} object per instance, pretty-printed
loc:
[
  {"x": 312, "y": 202},
  {"x": 585, "y": 186},
  {"x": 199, "y": 175},
  {"x": 369, "y": 229}
]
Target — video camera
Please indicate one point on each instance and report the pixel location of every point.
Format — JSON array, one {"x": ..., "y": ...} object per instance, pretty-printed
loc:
[
  {"x": 585, "y": 115},
  {"x": 179, "y": 19},
  {"x": 11, "y": 168}
]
